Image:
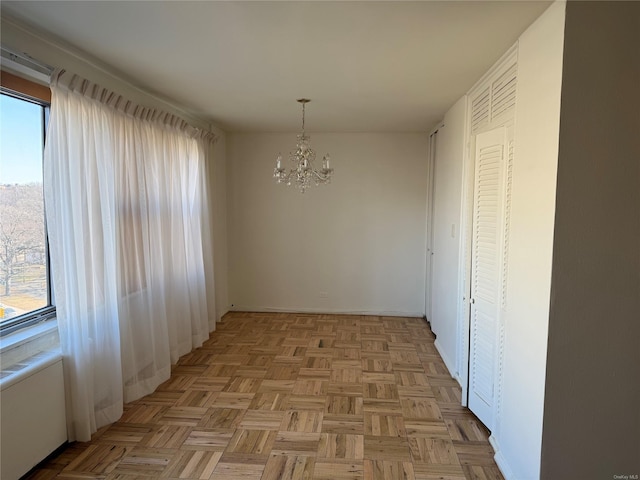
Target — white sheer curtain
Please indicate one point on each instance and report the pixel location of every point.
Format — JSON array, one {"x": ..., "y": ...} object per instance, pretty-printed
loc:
[{"x": 128, "y": 223}]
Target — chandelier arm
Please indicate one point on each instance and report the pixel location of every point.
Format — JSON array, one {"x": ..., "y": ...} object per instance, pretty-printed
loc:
[{"x": 321, "y": 176}]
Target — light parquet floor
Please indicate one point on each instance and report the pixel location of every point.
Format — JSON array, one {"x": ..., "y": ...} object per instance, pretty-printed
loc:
[{"x": 294, "y": 396}]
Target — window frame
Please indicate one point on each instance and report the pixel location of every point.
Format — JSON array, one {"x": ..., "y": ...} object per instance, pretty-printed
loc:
[{"x": 26, "y": 90}]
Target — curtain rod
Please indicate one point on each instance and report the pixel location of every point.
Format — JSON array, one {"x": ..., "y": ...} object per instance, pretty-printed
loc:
[{"x": 24, "y": 63}]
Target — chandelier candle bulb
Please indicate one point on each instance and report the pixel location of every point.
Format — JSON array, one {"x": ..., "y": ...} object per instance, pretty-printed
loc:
[{"x": 302, "y": 158}]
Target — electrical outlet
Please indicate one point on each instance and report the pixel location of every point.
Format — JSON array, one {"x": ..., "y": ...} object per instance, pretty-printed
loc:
[{"x": 324, "y": 295}]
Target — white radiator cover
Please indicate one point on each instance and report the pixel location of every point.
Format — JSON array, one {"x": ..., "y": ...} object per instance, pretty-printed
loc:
[{"x": 33, "y": 420}]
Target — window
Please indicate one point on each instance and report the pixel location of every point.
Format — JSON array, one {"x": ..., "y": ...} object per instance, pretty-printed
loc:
[{"x": 25, "y": 288}]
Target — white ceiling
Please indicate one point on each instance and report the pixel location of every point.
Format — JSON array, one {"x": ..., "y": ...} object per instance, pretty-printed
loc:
[{"x": 367, "y": 66}]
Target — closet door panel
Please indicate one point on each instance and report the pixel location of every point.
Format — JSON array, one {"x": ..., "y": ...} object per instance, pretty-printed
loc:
[{"x": 486, "y": 263}]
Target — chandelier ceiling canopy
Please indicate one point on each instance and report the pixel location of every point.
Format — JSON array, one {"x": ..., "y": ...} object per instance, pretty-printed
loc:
[{"x": 303, "y": 171}]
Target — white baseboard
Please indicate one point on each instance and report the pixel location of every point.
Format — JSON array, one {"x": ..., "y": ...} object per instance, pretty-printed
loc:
[
  {"x": 506, "y": 471},
  {"x": 447, "y": 362},
  {"x": 222, "y": 312},
  {"x": 337, "y": 311}
]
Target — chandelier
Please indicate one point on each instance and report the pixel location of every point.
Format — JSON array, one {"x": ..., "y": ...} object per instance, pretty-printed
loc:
[{"x": 303, "y": 172}]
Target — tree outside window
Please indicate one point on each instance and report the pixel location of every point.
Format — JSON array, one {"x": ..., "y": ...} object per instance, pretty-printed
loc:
[{"x": 24, "y": 278}]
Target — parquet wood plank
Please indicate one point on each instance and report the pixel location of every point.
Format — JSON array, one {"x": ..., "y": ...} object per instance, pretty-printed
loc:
[
  {"x": 261, "y": 420},
  {"x": 476, "y": 472},
  {"x": 466, "y": 430},
  {"x": 294, "y": 396},
  {"x": 433, "y": 450},
  {"x": 310, "y": 387},
  {"x": 388, "y": 469},
  {"x": 381, "y": 425},
  {"x": 418, "y": 427},
  {"x": 321, "y": 374},
  {"x": 415, "y": 391},
  {"x": 98, "y": 459},
  {"x": 239, "y": 401},
  {"x": 380, "y": 391},
  {"x": 345, "y": 388},
  {"x": 378, "y": 377},
  {"x": 184, "y": 416},
  {"x": 237, "y": 471},
  {"x": 308, "y": 421},
  {"x": 269, "y": 401},
  {"x": 474, "y": 453},
  {"x": 289, "y": 467},
  {"x": 256, "y": 442},
  {"x": 343, "y": 423},
  {"x": 341, "y": 445},
  {"x": 345, "y": 405},
  {"x": 419, "y": 407},
  {"x": 296, "y": 443},
  {"x": 327, "y": 470},
  {"x": 143, "y": 413},
  {"x": 386, "y": 448},
  {"x": 306, "y": 402},
  {"x": 196, "y": 464},
  {"x": 146, "y": 461},
  {"x": 211, "y": 439},
  {"x": 125, "y": 434},
  {"x": 350, "y": 352},
  {"x": 430, "y": 471},
  {"x": 163, "y": 436},
  {"x": 222, "y": 418},
  {"x": 282, "y": 385}
]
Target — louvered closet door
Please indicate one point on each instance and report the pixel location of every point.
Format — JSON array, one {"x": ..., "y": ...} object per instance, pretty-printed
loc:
[{"x": 485, "y": 273}]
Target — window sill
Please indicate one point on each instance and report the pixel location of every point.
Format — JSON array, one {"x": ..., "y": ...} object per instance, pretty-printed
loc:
[
  {"x": 28, "y": 334},
  {"x": 28, "y": 351}
]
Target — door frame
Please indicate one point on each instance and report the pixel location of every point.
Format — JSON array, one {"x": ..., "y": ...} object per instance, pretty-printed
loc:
[
  {"x": 430, "y": 209},
  {"x": 464, "y": 280}
]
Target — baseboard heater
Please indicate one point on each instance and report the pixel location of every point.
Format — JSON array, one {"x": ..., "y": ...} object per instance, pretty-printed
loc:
[{"x": 32, "y": 414}]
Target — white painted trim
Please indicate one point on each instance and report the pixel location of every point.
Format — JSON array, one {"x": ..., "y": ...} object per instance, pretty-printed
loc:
[
  {"x": 501, "y": 462},
  {"x": 466, "y": 224},
  {"x": 431, "y": 161},
  {"x": 464, "y": 264},
  {"x": 383, "y": 313}
]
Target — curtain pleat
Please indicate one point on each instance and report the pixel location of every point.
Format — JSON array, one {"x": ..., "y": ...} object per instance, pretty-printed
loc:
[{"x": 128, "y": 216}]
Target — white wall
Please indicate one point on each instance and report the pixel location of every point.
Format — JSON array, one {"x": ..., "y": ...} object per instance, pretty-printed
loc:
[
  {"x": 449, "y": 160},
  {"x": 530, "y": 244},
  {"x": 359, "y": 240}
]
